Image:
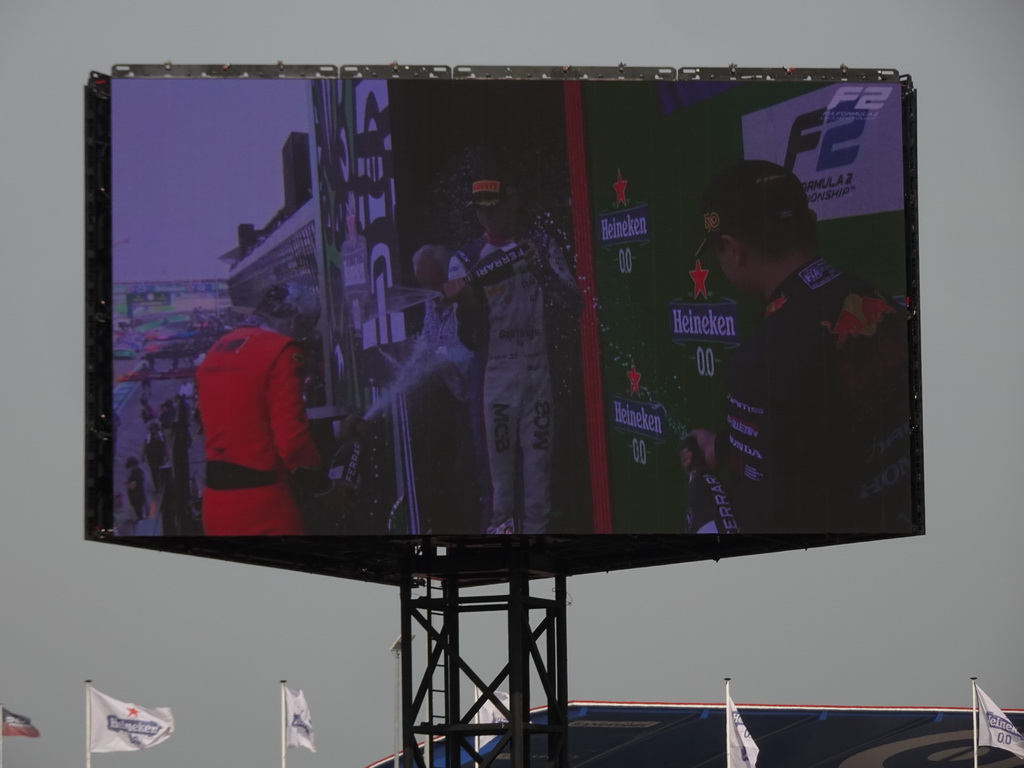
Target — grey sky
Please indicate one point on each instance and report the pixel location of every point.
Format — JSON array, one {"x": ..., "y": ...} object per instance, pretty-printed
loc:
[{"x": 902, "y": 622}]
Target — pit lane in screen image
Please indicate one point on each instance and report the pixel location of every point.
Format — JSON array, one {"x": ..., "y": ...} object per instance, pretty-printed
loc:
[{"x": 154, "y": 401}]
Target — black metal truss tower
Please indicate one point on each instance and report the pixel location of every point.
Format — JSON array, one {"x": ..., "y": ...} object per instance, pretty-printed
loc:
[{"x": 536, "y": 650}]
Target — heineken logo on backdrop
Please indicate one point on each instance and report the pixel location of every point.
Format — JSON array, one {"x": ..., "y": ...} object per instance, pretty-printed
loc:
[
  {"x": 699, "y": 275},
  {"x": 640, "y": 418},
  {"x": 714, "y": 323},
  {"x": 646, "y": 419},
  {"x": 626, "y": 227},
  {"x": 626, "y": 224},
  {"x": 620, "y": 189},
  {"x": 634, "y": 377}
]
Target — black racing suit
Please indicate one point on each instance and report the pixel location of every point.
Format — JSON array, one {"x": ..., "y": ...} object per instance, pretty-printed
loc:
[{"x": 818, "y": 409}]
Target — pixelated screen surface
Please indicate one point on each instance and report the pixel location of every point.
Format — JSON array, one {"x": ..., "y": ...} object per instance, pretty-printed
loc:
[{"x": 447, "y": 308}]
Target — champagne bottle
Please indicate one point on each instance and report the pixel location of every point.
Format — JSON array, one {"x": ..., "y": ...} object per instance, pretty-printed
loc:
[
  {"x": 496, "y": 267},
  {"x": 708, "y": 508}
]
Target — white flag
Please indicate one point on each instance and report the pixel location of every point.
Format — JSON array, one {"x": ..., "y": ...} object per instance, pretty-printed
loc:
[
  {"x": 995, "y": 728},
  {"x": 742, "y": 749},
  {"x": 121, "y": 727},
  {"x": 299, "y": 728},
  {"x": 489, "y": 712}
]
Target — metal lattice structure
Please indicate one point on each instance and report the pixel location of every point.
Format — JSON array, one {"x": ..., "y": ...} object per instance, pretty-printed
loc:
[{"x": 434, "y": 707}]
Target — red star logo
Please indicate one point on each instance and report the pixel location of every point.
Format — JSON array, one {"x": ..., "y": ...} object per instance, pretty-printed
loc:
[
  {"x": 700, "y": 278},
  {"x": 634, "y": 380},
  {"x": 133, "y": 712},
  {"x": 620, "y": 188}
]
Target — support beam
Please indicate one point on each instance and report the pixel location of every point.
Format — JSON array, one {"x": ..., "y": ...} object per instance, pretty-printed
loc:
[{"x": 536, "y": 651}]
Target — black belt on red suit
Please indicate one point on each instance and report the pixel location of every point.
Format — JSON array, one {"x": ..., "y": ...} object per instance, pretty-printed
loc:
[{"x": 225, "y": 476}]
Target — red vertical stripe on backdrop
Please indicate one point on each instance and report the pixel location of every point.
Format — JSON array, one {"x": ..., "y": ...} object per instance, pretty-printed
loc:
[{"x": 593, "y": 395}]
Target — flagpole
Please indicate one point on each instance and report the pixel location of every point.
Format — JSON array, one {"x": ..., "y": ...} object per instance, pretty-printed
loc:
[
  {"x": 284, "y": 727},
  {"x": 974, "y": 716},
  {"x": 728, "y": 750},
  {"x": 477, "y": 719},
  {"x": 88, "y": 724},
  {"x": 2, "y": 721},
  {"x": 396, "y": 651}
]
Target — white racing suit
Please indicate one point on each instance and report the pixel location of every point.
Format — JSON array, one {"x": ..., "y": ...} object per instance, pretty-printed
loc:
[{"x": 517, "y": 402}]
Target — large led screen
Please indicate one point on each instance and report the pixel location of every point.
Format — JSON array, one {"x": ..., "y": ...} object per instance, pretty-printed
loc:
[{"x": 414, "y": 308}]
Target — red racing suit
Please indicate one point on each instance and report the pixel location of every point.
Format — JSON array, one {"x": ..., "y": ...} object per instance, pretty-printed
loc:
[{"x": 256, "y": 433}]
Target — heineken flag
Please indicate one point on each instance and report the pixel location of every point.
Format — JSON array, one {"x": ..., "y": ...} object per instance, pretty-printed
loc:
[
  {"x": 489, "y": 712},
  {"x": 18, "y": 725},
  {"x": 299, "y": 727},
  {"x": 118, "y": 726},
  {"x": 742, "y": 749},
  {"x": 995, "y": 728}
]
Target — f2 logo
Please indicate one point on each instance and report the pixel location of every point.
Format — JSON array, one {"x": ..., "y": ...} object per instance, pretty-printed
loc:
[
  {"x": 805, "y": 135},
  {"x": 864, "y": 97}
]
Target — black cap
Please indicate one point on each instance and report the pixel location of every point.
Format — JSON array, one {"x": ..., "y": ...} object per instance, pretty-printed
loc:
[
  {"x": 754, "y": 198},
  {"x": 487, "y": 192},
  {"x": 495, "y": 176}
]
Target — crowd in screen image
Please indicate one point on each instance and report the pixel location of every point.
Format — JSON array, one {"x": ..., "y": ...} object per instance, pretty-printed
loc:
[{"x": 159, "y": 482}]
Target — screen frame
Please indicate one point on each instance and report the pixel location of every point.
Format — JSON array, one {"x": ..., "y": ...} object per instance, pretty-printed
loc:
[{"x": 467, "y": 558}]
